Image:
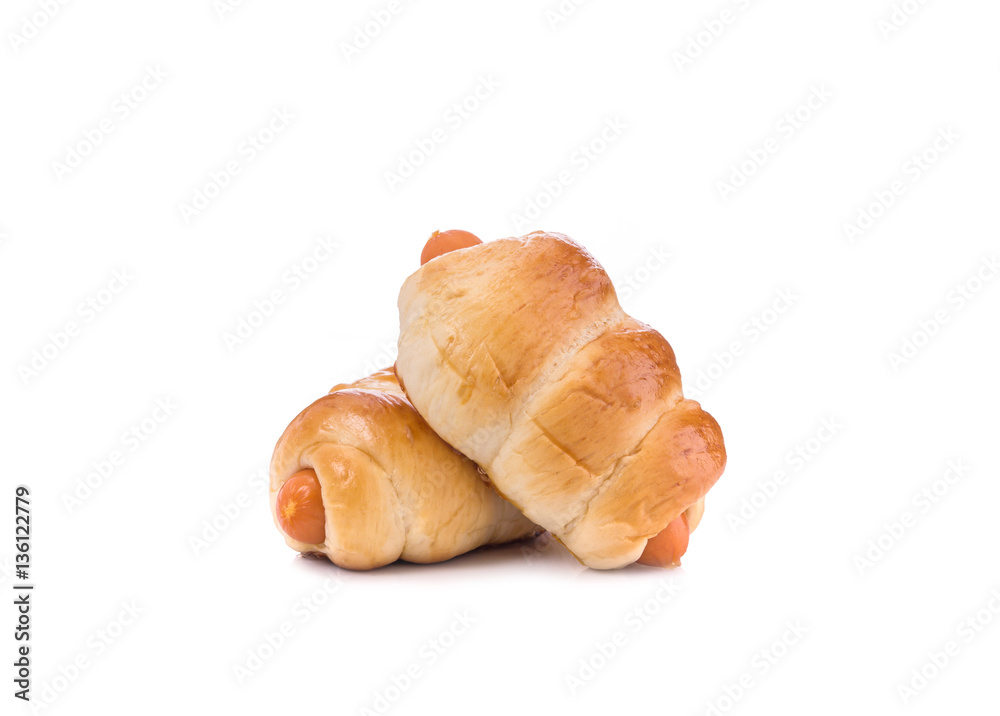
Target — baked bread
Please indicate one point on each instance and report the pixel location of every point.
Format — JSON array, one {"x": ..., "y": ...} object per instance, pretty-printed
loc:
[
  {"x": 518, "y": 354},
  {"x": 368, "y": 482}
]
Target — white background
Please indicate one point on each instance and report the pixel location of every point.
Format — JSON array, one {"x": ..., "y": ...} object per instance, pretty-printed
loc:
[{"x": 206, "y": 607}]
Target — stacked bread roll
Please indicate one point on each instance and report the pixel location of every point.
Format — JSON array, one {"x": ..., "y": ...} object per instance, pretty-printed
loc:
[
  {"x": 516, "y": 354},
  {"x": 388, "y": 487}
]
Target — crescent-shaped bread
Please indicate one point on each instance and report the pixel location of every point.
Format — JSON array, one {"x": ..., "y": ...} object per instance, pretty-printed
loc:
[
  {"x": 518, "y": 354},
  {"x": 391, "y": 488}
]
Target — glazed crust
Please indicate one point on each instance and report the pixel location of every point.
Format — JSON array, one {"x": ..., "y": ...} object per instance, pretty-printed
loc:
[
  {"x": 391, "y": 488},
  {"x": 518, "y": 354}
]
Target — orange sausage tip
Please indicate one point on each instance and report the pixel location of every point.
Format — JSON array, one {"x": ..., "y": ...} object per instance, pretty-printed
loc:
[
  {"x": 441, "y": 242},
  {"x": 299, "y": 508},
  {"x": 667, "y": 548}
]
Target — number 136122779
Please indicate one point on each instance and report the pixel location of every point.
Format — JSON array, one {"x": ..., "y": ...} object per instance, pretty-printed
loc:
[{"x": 22, "y": 531}]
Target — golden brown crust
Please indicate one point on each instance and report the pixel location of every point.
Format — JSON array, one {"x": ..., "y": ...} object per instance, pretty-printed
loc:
[
  {"x": 518, "y": 354},
  {"x": 392, "y": 489},
  {"x": 465, "y": 347}
]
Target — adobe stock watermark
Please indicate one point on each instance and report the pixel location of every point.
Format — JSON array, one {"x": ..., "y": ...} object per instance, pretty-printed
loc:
[
  {"x": 535, "y": 547},
  {"x": 248, "y": 150},
  {"x": 428, "y": 654},
  {"x": 761, "y": 664},
  {"x": 752, "y": 330},
  {"x": 452, "y": 119},
  {"x": 224, "y": 8},
  {"x": 33, "y": 23},
  {"x": 899, "y": 15},
  {"x": 290, "y": 281},
  {"x": 921, "y": 503},
  {"x": 228, "y": 512},
  {"x": 712, "y": 28},
  {"x": 93, "y": 136},
  {"x": 941, "y": 658},
  {"x": 955, "y": 300},
  {"x": 631, "y": 283},
  {"x": 796, "y": 459},
  {"x": 87, "y": 311},
  {"x": 96, "y": 644},
  {"x": 383, "y": 357},
  {"x": 914, "y": 168},
  {"x": 8, "y": 569},
  {"x": 364, "y": 33},
  {"x": 560, "y": 13},
  {"x": 274, "y": 640},
  {"x": 104, "y": 468},
  {"x": 785, "y": 129},
  {"x": 581, "y": 159},
  {"x": 604, "y": 652}
]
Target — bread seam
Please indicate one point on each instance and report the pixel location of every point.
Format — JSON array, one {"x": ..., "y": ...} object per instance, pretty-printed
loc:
[
  {"x": 613, "y": 473},
  {"x": 586, "y": 336}
]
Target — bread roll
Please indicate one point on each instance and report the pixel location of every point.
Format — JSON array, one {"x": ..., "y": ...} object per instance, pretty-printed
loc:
[
  {"x": 517, "y": 353},
  {"x": 390, "y": 488}
]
